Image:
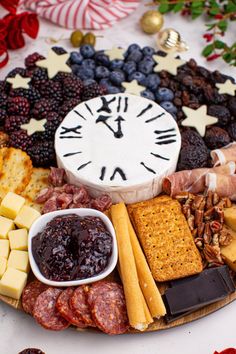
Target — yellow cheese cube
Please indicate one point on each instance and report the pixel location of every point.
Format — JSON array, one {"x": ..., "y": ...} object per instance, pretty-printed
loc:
[
  {"x": 13, "y": 283},
  {"x": 6, "y": 225},
  {"x": 3, "y": 266},
  {"x": 230, "y": 217},
  {"x": 26, "y": 217},
  {"x": 11, "y": 205},
  {"x": 18, "y": 239},
  {"x": 4, "y": 248},
  {"x": 229, "y": 252},
  {"x": 19, "y": 260}
]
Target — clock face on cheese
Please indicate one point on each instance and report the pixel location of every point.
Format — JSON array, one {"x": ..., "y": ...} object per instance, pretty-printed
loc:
[{"x": 117, "y": 140}]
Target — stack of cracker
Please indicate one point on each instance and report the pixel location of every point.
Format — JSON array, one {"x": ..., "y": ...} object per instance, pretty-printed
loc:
[{"x": 165, "y": 238}]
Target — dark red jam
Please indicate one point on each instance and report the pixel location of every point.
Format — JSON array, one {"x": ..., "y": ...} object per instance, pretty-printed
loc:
[{"x": 71, "y": 247}]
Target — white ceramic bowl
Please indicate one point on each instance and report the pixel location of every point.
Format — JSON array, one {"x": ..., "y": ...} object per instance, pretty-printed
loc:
[{"x": 40, "y": 224}]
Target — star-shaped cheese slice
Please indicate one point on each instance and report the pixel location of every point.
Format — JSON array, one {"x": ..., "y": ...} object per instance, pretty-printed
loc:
[
  {"x": 19, "y": 82},
  {"x": 115, "y": 53},
  {"x": 227, "y": 87},
  {"x": 133, "y": 87},
  {"x": 168, "y": 63},
  {"x": 34, "y": 126},
  {"x": 55, "y": 63},
  {"x": 198, "y": 119}
]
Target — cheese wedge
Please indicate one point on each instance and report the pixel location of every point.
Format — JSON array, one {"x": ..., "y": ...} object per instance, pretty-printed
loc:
[
  {"x": 11, "y": 205},
  {"x": 230, "y": 217},
  {"x": 12, "y": 283},
  {"x": 6, "y": 225},
  {"x": 4, "y": 248},
  {"x": 229, "y": 252},
  {"x": 26, "y": 217},
  {"x": 19, "y": 260},
  {"x": 3, "y": 266},
  {"x": 18, "y": 239}
]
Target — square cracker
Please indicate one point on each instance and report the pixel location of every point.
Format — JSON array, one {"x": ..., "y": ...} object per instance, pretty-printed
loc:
[
  {"x": 38, "y": 181},
  {"x": 166, "y": 240}
]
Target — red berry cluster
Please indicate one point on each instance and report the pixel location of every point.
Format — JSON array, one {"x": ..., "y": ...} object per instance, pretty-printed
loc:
[{"x": 13, "y": 26}]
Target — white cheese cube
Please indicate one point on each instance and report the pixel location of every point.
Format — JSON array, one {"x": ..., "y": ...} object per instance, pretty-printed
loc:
[
  {"x": 19, "y": 260},
  {"x": 11, "y": 205},
  {"x": 18, "y": 239},
  {"x": 4, "y": 248},
  {"x": 26, "y": 217},
  {"x": 13, "y": 283},
  {"x": 3, "y": 266},
  {"x": 6, "y": 225}
]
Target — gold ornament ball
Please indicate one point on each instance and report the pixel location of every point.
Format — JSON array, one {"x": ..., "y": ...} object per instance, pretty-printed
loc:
[{"x": 151, "y": 22}]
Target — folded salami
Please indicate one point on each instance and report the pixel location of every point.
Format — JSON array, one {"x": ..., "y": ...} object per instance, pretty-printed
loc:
[
  {"x": 224, "y": 155},
  {"x": 193, "y": 181},
  {"x": 223, "y": 185}
]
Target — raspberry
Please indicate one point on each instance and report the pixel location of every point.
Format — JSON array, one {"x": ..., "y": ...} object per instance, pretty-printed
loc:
[
  {"x": 39, "y": 77},
  {"x": 20, "y": 140},
  {"x": 52, "y": 89},
  {"x": 18, "y": 105},
  {"x": 31, "y": 94},
  {"x": 68, "y": 106},
  {"x": 72, "y": 87},
  {"x": 43, "y": 154},
  {"x": 92, "y": 91},
  {"x": 3, "y": 116},
  {"x": 43, "y": 107},
  {"x": 31, "y": 60},
  {"x": 13, "y": 123}
]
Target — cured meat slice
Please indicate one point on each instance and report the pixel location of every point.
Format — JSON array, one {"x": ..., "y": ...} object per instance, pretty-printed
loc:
[
  {"x": 45, "y": 312},
  {"x": 44, "y": 195},
  {"x": 30, "y": 294},
  {"x": 102, "y": 203},
  {"x": 79, "y": 304},
  {"x": 109, "y": 311},
  {"x": 63, "y": 306},
  {"x": 98, "y": 288},
  {"x": 57, "y": 176}
]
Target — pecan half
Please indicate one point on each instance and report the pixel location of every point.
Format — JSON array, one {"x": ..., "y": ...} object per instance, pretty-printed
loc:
[
  {"x": 197, "y": 202},
  {"x": 216, "y": 226},
  {"x": 186, "y": 210},
  {"x": 212, "y": 254},
  {"x": 182, "y": 197},
  {"x": 207, "y": 233},
  {"x": 200, "y": 229},
  {"x": 190, "y": 222},
  {"x": 198, "y": 217},
  {"x": 215, "y": 198},
  {"x": 220, "y": 214},
  {"x": 225, "y": 237},
  {"x": 209, "y": 201}
]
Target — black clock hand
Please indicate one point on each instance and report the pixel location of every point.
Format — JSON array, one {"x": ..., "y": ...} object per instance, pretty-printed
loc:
[{"x": 117, "y": 134}]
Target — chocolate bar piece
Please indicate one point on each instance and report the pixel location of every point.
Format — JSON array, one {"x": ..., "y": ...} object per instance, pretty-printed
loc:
[{"x": 198, "y": 291}]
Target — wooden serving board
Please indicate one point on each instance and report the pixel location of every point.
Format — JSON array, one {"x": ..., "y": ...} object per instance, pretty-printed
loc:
[{"x": 157, "y": 325}]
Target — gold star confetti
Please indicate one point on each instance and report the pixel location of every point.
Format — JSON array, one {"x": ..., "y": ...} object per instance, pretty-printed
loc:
[
  {"x": 115, "y": 53},
  {"x": 198, "y": 119},
  {"x": 227, "y": 87},
  {"x": 55, "y": 63},
  {"x": 34, "y": 126},
  {"x": 133, "y": 87},
  {"x": 168, "y": 63},
  {"x": 19, "y": 82}
]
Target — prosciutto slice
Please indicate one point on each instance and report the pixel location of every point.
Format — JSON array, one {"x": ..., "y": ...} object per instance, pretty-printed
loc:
[
  {"x": 193, "y": 181},
  {"x": 224, "y": 155},
  {"x": 223, "y": 185}
]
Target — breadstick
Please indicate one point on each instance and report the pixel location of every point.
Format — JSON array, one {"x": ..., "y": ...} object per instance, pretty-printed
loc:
[
  {"x": 133, "y": 293},
  {"x": 147, "y": 283}
]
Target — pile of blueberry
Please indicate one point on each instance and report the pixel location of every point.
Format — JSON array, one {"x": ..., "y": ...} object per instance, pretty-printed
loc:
[{"x": 90, "y": 66}]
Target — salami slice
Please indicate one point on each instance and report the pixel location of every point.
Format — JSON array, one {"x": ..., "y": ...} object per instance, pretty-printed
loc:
[
  {"x": 45, "y": 312},
  {"x": 30, "y": 294},
  {"x": 109, "y": 311},
  {"x": 65, "y": 310},
  {"x": 79, "y": 304},
  {"x": 98, "y": 288}
]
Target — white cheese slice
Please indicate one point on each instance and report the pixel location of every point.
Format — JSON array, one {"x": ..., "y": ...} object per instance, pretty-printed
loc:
[{"x": 122, "y": 145}]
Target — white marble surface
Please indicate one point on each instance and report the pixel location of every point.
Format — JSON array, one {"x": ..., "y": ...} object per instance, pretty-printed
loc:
[{"x": 216, "y": 331}]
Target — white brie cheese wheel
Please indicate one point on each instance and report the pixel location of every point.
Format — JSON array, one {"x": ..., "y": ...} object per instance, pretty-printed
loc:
[{"x": 122, "y": 145}]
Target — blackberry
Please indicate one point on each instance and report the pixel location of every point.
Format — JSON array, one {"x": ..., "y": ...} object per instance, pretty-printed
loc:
[
  {"x": 72, "y": 87},
  {"x": 43, "y": 107},
  {"x": 3, "y": 100},
  {"x": 216, "y": 137},
  {"x": 31, "y": 60},
  {"x": 14, "y": 72},
  {"x": 39, "y": 77},
  {"x": 52, "y": 90},
  {"x": 68, "y": 106},
  {"x": 53, "y": 121},
  {"x": 18, "y": 105},
  {"x": 62, "y": 76},
  {"x": 13, "y": 123},
  {"x": 31, "y": 94},
  {"x": 59, "y": 50},
  {"x": 2, "y": 86},
  {"x": 20, "y": 140},
  {"x": 43, "y": 154},
  {"x": 3, "y": 116},
  {"x": 92, "y": 91}
]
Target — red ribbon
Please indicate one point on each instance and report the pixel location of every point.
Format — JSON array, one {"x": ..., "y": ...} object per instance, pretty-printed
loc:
[
  {"x": 227, "y": 351},
  {"x": 10, "y": 5}
]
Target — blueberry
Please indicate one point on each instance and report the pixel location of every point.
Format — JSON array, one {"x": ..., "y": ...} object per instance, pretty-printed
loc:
[
  {"x": 101, "y": 72},
  {"x": 102, "y": 59},
  {"x": 152, "y": 81},
  {"x": 105, "y": 82},
  {"x": 140, "y": 77},
  {"x": 116, "y": 64},
  {"x": 85, "y": 73},
  {"x": 76, "y": 58},
  {"x": 169, "y": 107},
  {"x": 164, "y": 94},
  {"x": 148, "y": 51},
  {"x": 133, "y": 47},
  {"x": 145, "y": 67},
  {"x": 89, "y": 63},
  {"x": 148, "y": 94},
  {"x": 113, "y": 89},
  {"x": 89, "y": 82},
  {"x": 135, "y": 55},
  {"x": 87, "y": 50},
  {"x": 117, "y": 77},
  {"x": 129, "y": 67},
  {"x": 148, "y": 58},
  {"x": 75, "y": 68}
]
